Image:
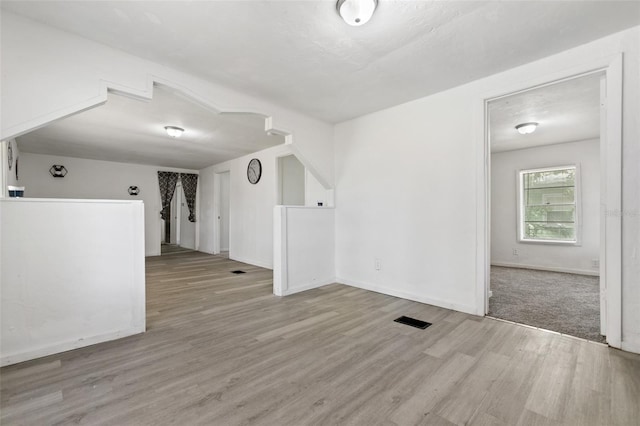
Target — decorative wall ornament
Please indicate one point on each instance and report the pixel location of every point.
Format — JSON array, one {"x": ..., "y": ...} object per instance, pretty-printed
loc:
[
  {"x": 58, "y": 171},
  {"x": 134, "y": 190}
]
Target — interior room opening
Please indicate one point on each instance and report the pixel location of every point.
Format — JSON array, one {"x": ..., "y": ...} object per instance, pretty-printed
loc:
[
  {"x": 545, "y": 191},
  {"x": 178, "y": 233}
]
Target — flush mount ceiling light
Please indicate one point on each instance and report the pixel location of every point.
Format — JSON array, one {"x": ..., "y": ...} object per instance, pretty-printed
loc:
[
  {"x": 173, "y": 131},
  {"x": 526, "y": 128},
  {"x": 356, "y": 12}
]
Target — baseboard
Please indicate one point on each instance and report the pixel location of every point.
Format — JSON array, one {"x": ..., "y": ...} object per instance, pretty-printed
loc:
[
  {"x": 67, "y": 346},
  {"x": 630, "y": 346},
  {"x": 409, "y": 296},
  {"x": 308, "y": 286},
  {"x": 547, "y": 268},
  {"x": 252, "y": 262}
]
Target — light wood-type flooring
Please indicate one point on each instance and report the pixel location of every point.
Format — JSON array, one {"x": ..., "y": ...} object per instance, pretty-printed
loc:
[
  {"x": 166, "y": 249},
  {"x": 220, "y": 349}
]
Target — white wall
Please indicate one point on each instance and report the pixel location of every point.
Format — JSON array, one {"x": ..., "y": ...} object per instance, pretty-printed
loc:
[
  {"x": 304, "y": 248},
  {"x": 92, "y": 179},
  {"x": 412, "y": 203},
  {"x": 8, "y": 176},
  {"x": 187, "y": 228},
  {"x": 291, "y": 177},
  {"x": 208, "y": 225},
  {"x": 225, "y": 211},
  {"x": 48, "y": 73},
  {"x": 504, "y": 203},
  {"x": 250, "y": 206},
  {"x": 70, "y": 285},
  {"x": 409, "y": 203},
  {"x": 315, "y": 193}
]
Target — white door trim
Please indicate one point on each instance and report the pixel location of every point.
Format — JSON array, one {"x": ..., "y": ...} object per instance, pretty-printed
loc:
[
  {"x": 217, "y": 208},
  {"x": 611, "y": 184}
]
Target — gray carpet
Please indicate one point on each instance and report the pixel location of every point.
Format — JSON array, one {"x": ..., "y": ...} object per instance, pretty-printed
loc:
[{"x": 566, "y": 303}]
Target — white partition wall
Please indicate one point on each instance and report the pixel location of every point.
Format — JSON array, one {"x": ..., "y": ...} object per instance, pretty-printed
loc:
[
  {"x": 303, "y": 246},
  {"x": 72, "y": 274}
]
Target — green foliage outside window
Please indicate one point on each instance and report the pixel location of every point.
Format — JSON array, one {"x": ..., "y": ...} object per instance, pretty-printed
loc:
[{"x": 549, "y": 204}]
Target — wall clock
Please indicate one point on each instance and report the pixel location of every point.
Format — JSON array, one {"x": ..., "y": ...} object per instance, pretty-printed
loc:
[
  {"x": 10, "y": 154},
  {"x": 254, "y": 171}
]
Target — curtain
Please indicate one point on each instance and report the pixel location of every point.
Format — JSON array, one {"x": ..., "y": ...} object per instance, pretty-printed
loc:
[
  {"x": 167, "y": 182},
  {"x": 189, "y": 186}
]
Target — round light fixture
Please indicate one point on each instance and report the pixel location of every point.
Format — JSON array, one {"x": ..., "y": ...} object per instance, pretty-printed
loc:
[
  {"x": 526, "y": 128},
  {"x": 356, "y": 12},
  {"x": 174, "y": 131}
]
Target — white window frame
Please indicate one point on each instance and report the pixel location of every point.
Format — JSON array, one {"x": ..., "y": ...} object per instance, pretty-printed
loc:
[{"x": 577, "y": 200}]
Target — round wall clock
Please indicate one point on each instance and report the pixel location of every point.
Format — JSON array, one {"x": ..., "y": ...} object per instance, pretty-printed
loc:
[
  {"x": 10, "y": 154},
  {"x": 254, "y": 171}
]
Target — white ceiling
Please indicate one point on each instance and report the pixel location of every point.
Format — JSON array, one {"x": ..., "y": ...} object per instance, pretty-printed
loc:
[
  {"x": 132, "y": 131},
  {"x": 300, "y": 54},
  {"x": 566, "y": 112}
]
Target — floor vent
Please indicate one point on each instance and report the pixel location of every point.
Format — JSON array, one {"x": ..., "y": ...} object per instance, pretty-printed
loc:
[
  {"x": 238, "y": 272},
  {"x": 413, "y": 322}
]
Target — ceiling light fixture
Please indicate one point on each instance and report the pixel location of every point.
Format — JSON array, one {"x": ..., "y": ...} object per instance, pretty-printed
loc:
[
  {"x": 526, "y": 128},
  {"x": 174, "y": 131},
  {"x": 356, "y": 12}
]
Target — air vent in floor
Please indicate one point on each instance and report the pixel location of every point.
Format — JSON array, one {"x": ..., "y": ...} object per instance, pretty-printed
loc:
[{"x": 413, "y": 322}]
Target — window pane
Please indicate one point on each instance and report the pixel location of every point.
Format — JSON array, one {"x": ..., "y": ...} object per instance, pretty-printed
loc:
[
  {"x": 550, "y": 231},
  {"x": 550, "y": 214},
  {"x": 547, "y": 196},
  {"x": 544, "y": 179},
  {"x": 549, "y": 205}
]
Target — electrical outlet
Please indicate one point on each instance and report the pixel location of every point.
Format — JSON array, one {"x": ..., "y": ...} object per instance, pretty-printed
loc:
[
  {"x": 595, "y": 263},
  {"x": 377, "y": 264},
  {"x": 515, "y": 252}
]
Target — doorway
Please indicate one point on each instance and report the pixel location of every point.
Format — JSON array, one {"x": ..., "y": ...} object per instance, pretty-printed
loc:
[
  {"x": 178, "y": 234},
  {"x": 609, "y": 260},
  {"x": 224, "y": 217},
  {"x": 291, "y": 181},
  {"x": 545, "y": 168}
]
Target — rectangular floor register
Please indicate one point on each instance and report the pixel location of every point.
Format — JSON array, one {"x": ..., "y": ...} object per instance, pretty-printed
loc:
[{"x": 413, "y": 322}]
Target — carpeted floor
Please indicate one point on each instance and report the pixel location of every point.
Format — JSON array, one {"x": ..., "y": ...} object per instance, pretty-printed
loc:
[{"x": 566, "y": 303}]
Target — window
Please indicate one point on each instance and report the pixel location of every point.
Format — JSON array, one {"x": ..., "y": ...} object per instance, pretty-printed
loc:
[{"x": 549, "y": 205}]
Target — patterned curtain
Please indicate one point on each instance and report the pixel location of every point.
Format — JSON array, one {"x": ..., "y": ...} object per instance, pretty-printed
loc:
[
  {"x": 167, "y": 182},
  {"x": 189, "y": 185}
]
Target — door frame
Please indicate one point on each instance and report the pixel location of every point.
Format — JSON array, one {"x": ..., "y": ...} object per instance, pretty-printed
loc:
[
  {"x": 610, "y": 184},
  {"x": 217, "y": 205},
  {"x": 177, "y": 198}
]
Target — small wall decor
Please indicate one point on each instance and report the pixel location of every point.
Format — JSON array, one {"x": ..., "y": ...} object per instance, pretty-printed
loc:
[
  {"x": 58, "y": 171},
  {"x": 134, "y": 190}
]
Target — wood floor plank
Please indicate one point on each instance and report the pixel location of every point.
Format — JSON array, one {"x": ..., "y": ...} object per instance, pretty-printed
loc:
[
  {"x": 221, "y": 349},
  {"x": 552, "y": 384}
]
